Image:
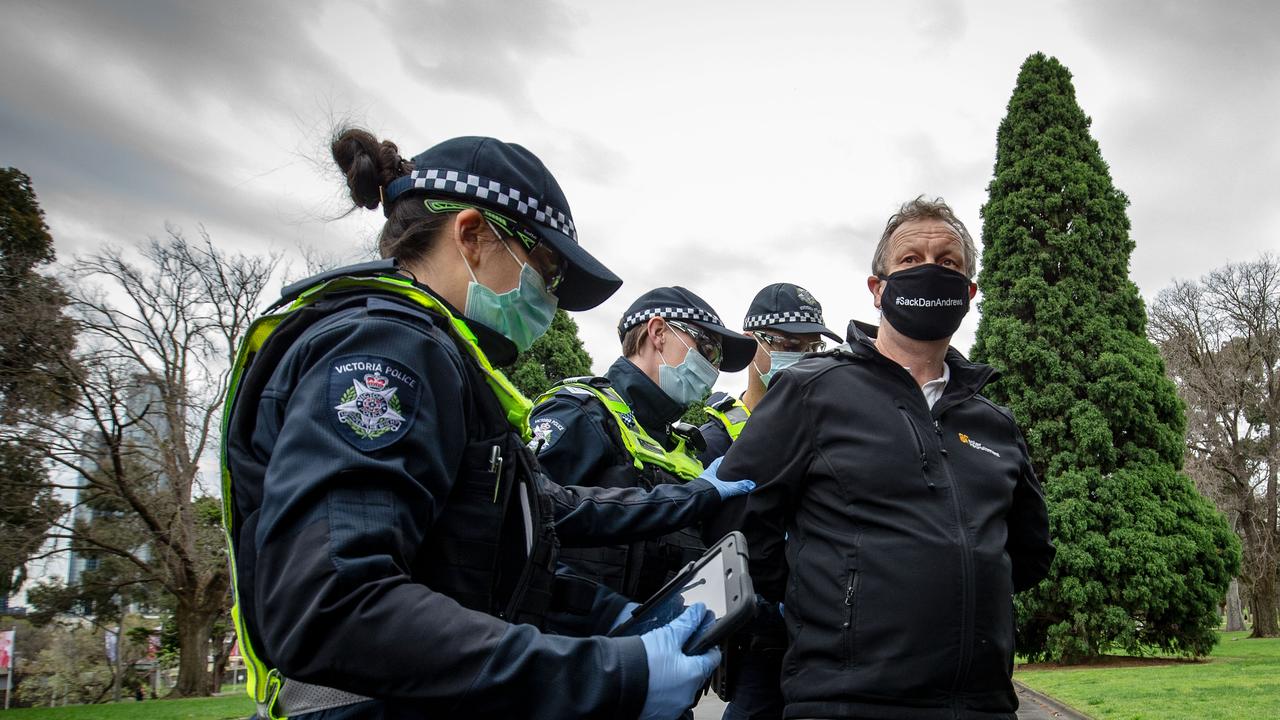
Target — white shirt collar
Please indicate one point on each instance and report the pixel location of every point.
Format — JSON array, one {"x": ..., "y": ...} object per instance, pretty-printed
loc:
[{"x": 934, "y": 388}]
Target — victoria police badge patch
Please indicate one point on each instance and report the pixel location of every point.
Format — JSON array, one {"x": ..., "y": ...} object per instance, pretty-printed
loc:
[
  {"x": 373, "y": 400},
  {"x": 545, "y": 432}
]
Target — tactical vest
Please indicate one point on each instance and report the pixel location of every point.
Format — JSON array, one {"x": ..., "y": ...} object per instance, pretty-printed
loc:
[
  {"x": 729, "y": 411},
  {"x": 640, "y": 569},
  {"x": 482, "y": 554}
]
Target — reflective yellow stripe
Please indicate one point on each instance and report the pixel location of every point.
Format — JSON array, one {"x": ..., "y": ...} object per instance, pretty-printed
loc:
[
  {"x": 733, "y": 420},
  {"x": 639, "y": 444},
  {"x": 263, "y": 683}
]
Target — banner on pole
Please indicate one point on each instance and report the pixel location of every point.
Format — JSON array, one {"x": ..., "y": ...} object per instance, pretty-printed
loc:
[{"x": 6, "y": 649}]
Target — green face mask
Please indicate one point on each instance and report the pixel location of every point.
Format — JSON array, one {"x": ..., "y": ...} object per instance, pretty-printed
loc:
[{"x": 521, "y": 314}]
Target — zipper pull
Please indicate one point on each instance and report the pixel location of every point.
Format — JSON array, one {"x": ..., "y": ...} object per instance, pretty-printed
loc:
[
  {"x": 495, "y": 467},
  {"x": 848, "y": 593}
]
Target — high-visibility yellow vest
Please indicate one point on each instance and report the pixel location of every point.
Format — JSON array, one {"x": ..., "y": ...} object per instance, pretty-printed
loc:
[
  {"x": 644, "y": 450},
  {"x": 730, "y": 412},
  {"x": 264, "y": 683}
]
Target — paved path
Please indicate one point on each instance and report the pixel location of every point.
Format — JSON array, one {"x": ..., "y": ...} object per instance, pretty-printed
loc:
[{"x": 1031, "y": 706}]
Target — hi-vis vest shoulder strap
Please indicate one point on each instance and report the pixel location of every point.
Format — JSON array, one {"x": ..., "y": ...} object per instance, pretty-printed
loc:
[
  {"x": 641, "y": 446},
  {"x": 263, "y": 683},
  {"x": 729, "y": 411}
]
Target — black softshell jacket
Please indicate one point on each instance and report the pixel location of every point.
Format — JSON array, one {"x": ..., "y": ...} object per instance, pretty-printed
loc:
[{"x": 908, "y": 532}]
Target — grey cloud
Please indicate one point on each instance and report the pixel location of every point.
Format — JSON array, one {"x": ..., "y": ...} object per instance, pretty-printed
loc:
[
  {"x": 487, "y": 49},
  {"x": 1196, "y": 143}
]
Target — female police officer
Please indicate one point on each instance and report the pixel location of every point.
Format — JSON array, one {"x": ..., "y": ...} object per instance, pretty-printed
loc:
[{"x": 394, "y": 548}]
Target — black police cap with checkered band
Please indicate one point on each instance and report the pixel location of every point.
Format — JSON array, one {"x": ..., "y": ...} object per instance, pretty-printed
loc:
[
  {"x": 510, "y": 180},
  {"x": 677, "y": 303},
  {"x": 789, "y": 308}
]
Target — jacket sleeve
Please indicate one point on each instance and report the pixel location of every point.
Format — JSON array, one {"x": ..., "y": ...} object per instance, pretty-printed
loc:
[
  {"x": 346, "y": 519},
  {"x": 1030, "y": 549},
  {"x": 774, "y": 450}
]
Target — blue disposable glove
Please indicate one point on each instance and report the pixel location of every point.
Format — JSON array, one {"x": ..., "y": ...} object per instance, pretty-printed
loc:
[
  {"x": 675, "y": 678},
  {"x": 624, "y": 616},
  {"x": 726, "y": 489}
]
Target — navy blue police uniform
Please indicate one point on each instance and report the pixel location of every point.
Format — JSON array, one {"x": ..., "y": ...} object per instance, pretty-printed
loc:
[{"x": 394, "y": 543}]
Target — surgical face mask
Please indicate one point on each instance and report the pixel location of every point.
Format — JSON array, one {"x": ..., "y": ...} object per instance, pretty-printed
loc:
[
  {"x": 689, "y": 381},
  {"x": 778, "y": 360},
  {"x": 522, "y": 314},
  {"x": 926, "y": 302}
]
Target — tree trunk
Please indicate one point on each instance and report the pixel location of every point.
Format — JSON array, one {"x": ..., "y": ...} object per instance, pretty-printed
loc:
[
  {"x": 1262, "y": 600},
  {"x": 194, "y": 627},
  {"x": 1235, "y": 616}
]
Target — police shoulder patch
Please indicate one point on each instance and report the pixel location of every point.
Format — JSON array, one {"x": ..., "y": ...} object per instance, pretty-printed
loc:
[
  {"x": 545, "y": 432},
  {"x": 372, "y": 400}
]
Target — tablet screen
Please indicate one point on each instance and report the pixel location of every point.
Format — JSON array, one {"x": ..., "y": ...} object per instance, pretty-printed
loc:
[{"x": 706, "y": 586}]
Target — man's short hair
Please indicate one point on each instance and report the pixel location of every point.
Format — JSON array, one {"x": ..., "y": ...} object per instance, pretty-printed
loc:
[{"x": 922, "y": 209}]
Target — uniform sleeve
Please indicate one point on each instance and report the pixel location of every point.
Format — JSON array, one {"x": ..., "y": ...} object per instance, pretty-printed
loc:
[
  {"x": 590, "y": 516},
  {"x": 774, "y": 450},
  {"x": 717, "y": 439},
  {"x": 1030, "y": 549},
  {"x": 370, "y": 436}
]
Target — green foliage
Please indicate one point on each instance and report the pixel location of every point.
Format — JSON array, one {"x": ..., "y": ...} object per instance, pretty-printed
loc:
[
  {"x": 1143, "y": 559},
  {"x": 36, "y": 340},
  {"x": 556, "y": 355}
]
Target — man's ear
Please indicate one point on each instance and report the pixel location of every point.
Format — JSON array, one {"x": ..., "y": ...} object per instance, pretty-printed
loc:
[
  {"x": 973, "y": 289},
  {"x": 876, "y": 286}
]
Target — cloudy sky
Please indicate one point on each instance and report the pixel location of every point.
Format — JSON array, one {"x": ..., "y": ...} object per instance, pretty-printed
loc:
[{"x": 718, "y": 145}]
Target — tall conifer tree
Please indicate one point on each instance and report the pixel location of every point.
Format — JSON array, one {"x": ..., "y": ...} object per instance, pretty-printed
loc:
[{"x": 1143, "y": 560}]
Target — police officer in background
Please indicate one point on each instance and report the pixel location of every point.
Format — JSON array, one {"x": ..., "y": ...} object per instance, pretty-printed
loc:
[
  {"x": 786, "y": 321},
  {"x": 897, "y": 511},
  {"x": 393, "y": 541},
  {"x": 623, "y": 429}
]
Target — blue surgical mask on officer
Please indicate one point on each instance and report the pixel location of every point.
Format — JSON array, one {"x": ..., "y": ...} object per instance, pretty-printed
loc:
[
  {"x": 778, "y": 360},
  {"x": 689, "y": 381},
  {"x": 521, "y": 314}
]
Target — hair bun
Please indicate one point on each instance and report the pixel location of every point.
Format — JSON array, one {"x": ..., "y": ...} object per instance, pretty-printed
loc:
[{"x": 367, "y": 163}]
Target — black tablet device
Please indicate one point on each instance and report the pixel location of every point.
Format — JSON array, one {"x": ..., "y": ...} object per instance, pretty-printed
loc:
[{"x": 719, "y": 580}]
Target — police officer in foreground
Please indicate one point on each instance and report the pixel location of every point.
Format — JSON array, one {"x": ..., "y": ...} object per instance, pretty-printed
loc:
[
  {"x": 898, "y": 512},
  {"x": 786, "y": 322},
  {"x": 393, "y": 541},
  {"x": 622, "y": 430}
]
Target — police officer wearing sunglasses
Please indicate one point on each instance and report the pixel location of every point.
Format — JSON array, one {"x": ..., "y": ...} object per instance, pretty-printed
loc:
[
  {"x": 623, "y": 429},
  {"x": 786, "y": 322},
  {"x": 394, "y": 542}
]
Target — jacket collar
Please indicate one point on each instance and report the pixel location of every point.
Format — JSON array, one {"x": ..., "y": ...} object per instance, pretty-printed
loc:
[
  {"x": 967, "y": 378},
  {"x": 654, "y": 409}
]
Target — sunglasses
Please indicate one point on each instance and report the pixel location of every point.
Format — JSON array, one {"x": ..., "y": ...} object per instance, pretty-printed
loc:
[
  {"x": 542, "y": 256},
  {"x": 788, "y": 343},
  {"x": 708, "y": 345}
]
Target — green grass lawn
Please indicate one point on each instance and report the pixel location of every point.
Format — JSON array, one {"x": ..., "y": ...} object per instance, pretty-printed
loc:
[
  {"x": 216, "y": 708},
  {"x": 1241, "y": 679}
]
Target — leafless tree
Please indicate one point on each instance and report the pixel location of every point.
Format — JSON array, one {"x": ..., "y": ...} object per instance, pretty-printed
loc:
[
  {"x": 158, "y": 329},
  {"x": 1220, "y": 339}
]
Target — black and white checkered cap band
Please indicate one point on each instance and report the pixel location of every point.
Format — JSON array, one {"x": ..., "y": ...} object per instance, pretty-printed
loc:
[
  {"x": 670, "y": 313},
  {"x": 768, "y": 319},
  {"x": 494, "y": 192}
]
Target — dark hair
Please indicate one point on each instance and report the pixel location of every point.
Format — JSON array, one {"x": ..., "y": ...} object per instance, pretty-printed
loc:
[{"x": 369, "y": 165}]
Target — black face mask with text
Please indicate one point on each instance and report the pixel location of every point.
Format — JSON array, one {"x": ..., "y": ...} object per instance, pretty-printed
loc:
[{"x": 926, "y": 302}]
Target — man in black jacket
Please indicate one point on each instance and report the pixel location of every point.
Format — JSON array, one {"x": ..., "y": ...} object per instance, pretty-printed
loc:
[{"x": 897, "y": 512}]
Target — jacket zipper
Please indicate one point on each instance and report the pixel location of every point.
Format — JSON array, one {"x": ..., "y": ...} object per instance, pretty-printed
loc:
[
  {"x": 848, "y": 619},
  {"x": 924, "y": 457},
  {"x": 966, "y": 567}
]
